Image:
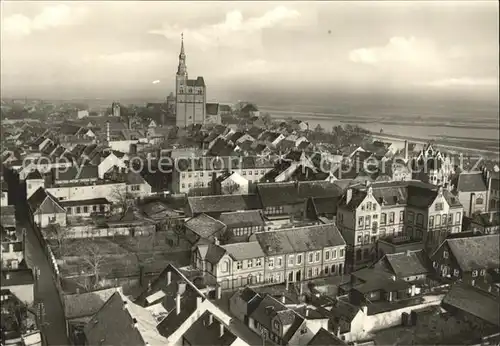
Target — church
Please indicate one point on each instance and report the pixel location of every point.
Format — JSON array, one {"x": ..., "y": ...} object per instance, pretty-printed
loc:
[{"x": 190, "y": 95}]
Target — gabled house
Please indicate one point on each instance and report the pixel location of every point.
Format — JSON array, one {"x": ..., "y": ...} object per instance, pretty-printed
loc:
[
  {"x": 472, "y": 190},
  {"x": 243, "y": 224},
  {"x": 203, "y": 227},
  {"x": 45, "y": 209},
  {"x": 230, "y": 184},
  {"x": 411, "y": 266},
  {"x": 486, "y": 223},
  {"x": 468, "y": 260}
]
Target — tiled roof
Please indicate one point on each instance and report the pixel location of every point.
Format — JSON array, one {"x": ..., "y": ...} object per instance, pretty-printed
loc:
[
  {"x": 75, "y": 173},
  {"x": 318, "y": 189},
  {"x": 86, "y": 304},
  {"x": 471, "y": 182},
  {"x": 300, "y": 239},
  {"x": 249, "y": 108},
  {"x": 17, "y": 277},
  {"x": 324, "y": 337},
  {"x": 43, "y": 202},
  {"x": 198, "y": 82},
  {"x": 34, "y": 175},
  {"x": 475, "y": 302},
  {"x": 408, "y": 263},
  {"x": 8, "y": 216},
  {"x": 487, "y": 219},
  {"x": 114, "y": 323},
  {"x": 223, "y": 203},
  {"x": 475, "y": 253},
  {"x": 247, "y": 218},
  {"x": 325, "y": 205},
  {"x": 242, "y": 251},
  {"x": 278, "y": 194},
  {"x": 204, "y": 333},
  {"x": 205, "y": 226}
]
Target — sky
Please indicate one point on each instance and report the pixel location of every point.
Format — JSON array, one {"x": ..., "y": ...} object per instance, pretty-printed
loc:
[{"x": 125, "y": 48}]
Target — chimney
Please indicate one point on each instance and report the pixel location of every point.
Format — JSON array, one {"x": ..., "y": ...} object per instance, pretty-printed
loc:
[
  {"x": 134, "y": 322},
  {"x": 125, "y": 305},
  {"x": 348, "y": 196},
  {"x": 221, "y": 332},
  {"x": 7, "y": 276},
  {"x": 218, "y": 292},
  {"x": 107, "y": 131},
  {"x": 178, "y": 304},
  {"x": 307, "y": 312},
  {"x": 393, "y": 278},
  {"x": 214, "y": 184},
  {"x": 283, "y": 299},
  {"x": 11, "y": 247},
  {"x": 408, "y": 252},
  {"x": 181, "y": 287},
  {"x": 198, "y": 302},
  {"x": 210, "y": 319},
  {"x": 216, "y": 241},
  {"x": 472, "y": 206},
  {"x": 406, "y": 151},
  {"x": 301, "y": 288},
  {"x": 169, "y": 278}
]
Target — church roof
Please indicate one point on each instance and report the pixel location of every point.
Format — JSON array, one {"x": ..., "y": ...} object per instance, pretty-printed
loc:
[{"x": 198, "y": 82}]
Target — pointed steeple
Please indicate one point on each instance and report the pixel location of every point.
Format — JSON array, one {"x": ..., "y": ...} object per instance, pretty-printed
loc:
[{"x": 182, "y": 69}]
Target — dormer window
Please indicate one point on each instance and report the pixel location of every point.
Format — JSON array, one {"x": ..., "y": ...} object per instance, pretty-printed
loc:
[
  {"x": 474, "y": 273},
  {"x": 276, "y": 325}
]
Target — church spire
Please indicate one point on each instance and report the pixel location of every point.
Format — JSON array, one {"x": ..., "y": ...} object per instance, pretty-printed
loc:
[{"x": 182, "y": 69}]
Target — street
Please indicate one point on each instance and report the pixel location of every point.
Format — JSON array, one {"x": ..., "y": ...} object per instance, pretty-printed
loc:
[{"x": 54, "y": 327}]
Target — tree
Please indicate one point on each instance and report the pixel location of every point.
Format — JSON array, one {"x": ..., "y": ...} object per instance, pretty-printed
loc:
[
  {"x": 231, "y": 188},
  {"x": 93, "y": 259},
  {"x": 122, "y": 199},
  {"x": 267, "y": 119},
  {"x": 59, "y": 234}
]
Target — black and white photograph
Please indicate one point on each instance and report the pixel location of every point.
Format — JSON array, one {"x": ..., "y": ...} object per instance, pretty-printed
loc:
[{"x": 249, "y": 173}]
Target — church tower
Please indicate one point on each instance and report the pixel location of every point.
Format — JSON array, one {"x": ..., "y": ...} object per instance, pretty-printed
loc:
[{"x": 190, "y": 95}]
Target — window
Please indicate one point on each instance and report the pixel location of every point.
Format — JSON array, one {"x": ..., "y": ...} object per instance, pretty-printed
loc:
[
  {"x": 383, "y": 218},
  {"x": 183, "y": 185},
  {"x": 456, "y": 272},
  {"x": 318, "y": 256},
  {"x": 445, "y": 254},
  {"x": 256, "y": 173},
  {"x": 249, "y": 263},
  {"x": 244, "y": 172},
  {"x": 479, "y": 200},
  {"x": 367, "y": 221},
  {"x": 341, "y": 253},
  {"x": 360, "y": 221},
  {"x": 78, "y": 210},
  {"x": 367, "y": 238},
  {"x": 258, "y": 262},
  {"x": 411, "y": 217},
  {"x": 326, "y": 270},
  {"x": 374, "y": 227},
  {"x": 316, "y": 271},
  {"x": 360, "y": 239},
  {"x": 271, "y": 263},
  {"x": 443, "y": 220},
  {"x": 435, "y": 264},
  {"x": 70, "y": 210},
  {"x": 391, "y": 217},
  {"x": 225, "y": 267},
  {"x": 85, "y": 210},
  {"x": 327, "y": 255},
  {"x": 249, "y": 172},
  {"x": 482, "y": 272},
  {"x": 474, "y": 273},
  {"x": 401, "y": 216},
  {"x": 450, "y": 219},
  {"x": 438, "y": 220},
  {"x": 299, "y": 259},
  {"x": 368, "y": 205},
  {"x": 280, "y": 262},
  {"x": 458, "y": 218},
  {"x": 438, "y": 206},
  {"x": 290, "y": 260},
  {"x": 334, "y": 254},
  {"x": 94, "y": 208},
  {"x": 311, "y": 259},
  {"x": 309, "y": 273},
  {"x": 420, "y": 219}
]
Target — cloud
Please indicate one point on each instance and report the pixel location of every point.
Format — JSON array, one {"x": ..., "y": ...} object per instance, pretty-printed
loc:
[
  {"x": 50, "y": 17},
  {"x": 156, "y": 81},
  {"x": 398, "y": 49},
  {"x": 463, "y": 82},
  {"x": 235, "y": 30}
]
